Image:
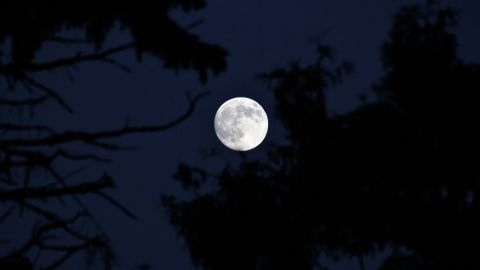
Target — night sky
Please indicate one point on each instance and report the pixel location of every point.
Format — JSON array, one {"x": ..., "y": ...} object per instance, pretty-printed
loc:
[{"x": 259, "y": 36}]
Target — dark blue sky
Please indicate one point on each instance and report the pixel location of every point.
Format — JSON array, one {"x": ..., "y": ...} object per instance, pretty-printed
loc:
[{"x": 260, "y": 35}]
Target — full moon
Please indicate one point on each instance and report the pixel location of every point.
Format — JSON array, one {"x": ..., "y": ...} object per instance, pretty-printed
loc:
[{"x": 241, "y": 124}]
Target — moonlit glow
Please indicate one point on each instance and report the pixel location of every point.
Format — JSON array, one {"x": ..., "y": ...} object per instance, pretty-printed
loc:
[{"x": 241, "y": 124}]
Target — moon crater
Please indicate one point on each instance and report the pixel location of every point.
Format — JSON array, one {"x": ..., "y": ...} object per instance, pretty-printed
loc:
[{"x": 241, "y": 124}]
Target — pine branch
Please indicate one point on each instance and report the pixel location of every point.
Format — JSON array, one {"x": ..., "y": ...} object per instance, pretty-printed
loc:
[{"x": 64, "y": 62}]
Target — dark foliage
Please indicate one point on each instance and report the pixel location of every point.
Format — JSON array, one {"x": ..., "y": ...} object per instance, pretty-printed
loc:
[
  {"x": 32, "y": 178},
  {"x": 29, "y": 24},
  {"x": 399, "y": 172}
]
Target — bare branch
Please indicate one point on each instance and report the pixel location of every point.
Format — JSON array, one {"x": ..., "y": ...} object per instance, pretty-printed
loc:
[
  {"x": 73, "y": 173},
  {"x": 117, "y": 64},
  {"x": 68, "y": 253},
  {"x": 48, "y": 192},
  {"x": 49, "y": 91},
  {"x": 54, "y": 218},
  {"x": 23, "y": 102},
  {"x": 79, "y": 58},
  {"x": 117, "y": 204},
  {"x": 64, "y": 40},
  {"x": 64, "y": 62},
  {"x": 71, "y": 156},
  {"x": 98, "y": 192},
  {"x": 39, "y": 232},
  {"x": 91, "y": 138},
  {"x": 7, "y": 213},
  {"x": 107, "y": 146},
  {"x": 8, "y": 127}
]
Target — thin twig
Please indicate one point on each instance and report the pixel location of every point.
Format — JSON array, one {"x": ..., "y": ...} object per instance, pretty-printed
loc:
[
  {"x": 59, "y": 99},
  {"x": 117, "y": 204},
  {"x": 52, "y": 217},
  {"x": 16, "y": 127},
  {"x": 69, "y": 253},
  {"x": 23, "y": 102},
  {"x": 65, "y": 62},
  {"x": 64, "y": 40},
  {"x": 71, "y": 156},
  {"x": 48, "y": 192},
  {"x": 117, "y": 64}
]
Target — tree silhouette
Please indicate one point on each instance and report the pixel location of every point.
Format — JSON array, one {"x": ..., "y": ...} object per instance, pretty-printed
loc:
[
  {"x": 27, "y": 148},
  {"x": 396, "y": 173}
]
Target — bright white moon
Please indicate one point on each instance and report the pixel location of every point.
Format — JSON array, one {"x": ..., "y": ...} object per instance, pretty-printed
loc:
[{"x": 241, "y": 124}]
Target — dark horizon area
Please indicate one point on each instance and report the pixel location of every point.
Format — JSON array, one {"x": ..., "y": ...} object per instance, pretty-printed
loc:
[{"x": 366, "y": 164}]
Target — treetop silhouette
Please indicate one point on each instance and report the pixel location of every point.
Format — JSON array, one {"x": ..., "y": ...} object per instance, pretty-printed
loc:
[
  {"x": 394, "y": 174},
  {"x": 28, "y": 25}
]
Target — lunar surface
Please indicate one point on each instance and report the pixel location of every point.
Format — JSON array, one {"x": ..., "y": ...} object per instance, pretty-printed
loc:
[{"x": 241, "y": 124}]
